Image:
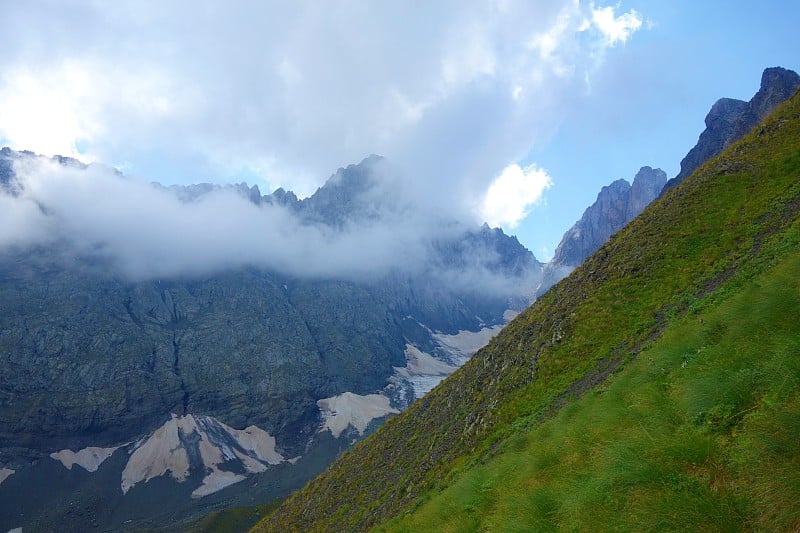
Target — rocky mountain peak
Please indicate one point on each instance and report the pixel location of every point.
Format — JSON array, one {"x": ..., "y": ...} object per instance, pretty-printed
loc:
[
  {"x": 724, "y": 113},
  {"x": 729, "y": 120},
  {"x": 616, "y": 204},
  {"x": 283, "y": 197},
  {"x": 344, "y": 195},
  {"x": 647, "y": 185},
  {"x": 777, "y": 85},
  {"x": 719, "y": 121}
]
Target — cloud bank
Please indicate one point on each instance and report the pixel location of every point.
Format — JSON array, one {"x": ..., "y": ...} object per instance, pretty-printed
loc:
[
  {"x": 146, "y": 231},
  {"x": 285, "y": 92}
]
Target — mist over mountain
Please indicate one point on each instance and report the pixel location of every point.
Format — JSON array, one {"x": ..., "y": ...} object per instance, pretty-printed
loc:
[
  {"x": 362, "y": 224},
  {"x": 187, "y": 342}
]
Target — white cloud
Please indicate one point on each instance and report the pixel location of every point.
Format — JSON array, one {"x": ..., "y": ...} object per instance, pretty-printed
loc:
[
  {"x": 143, "y": 231},
  {"x": 555, "y": 45},
  {"x": 512, "y": 194},
  {"x": 68, "y": 108},
  {"x": 615, "y": 29},
  {"x": 42, "y": 114},
  {"x": 186, "y": 92}
]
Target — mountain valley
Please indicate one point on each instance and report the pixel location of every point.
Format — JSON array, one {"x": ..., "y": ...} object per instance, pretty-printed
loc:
[{"x": 126, "y": 375}]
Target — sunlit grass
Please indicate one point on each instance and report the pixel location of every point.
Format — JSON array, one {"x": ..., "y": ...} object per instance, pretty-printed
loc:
[
  {"x": 701, "y": 432},
  {"x": 694, "y": 306}
]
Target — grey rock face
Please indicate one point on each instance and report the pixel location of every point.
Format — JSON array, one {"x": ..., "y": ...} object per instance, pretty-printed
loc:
[
  {"x": 616, "y": 205},
  {"x": 729, "y": 120},
  {"x": 598, "y": 222},
  {"x": 720, "y": 122},
  {"x": 777, "y": 85},
  {"x": 89, "y": 358},
  {"x": 647, "y": 185},
  {"x": 345, "y": 197}
]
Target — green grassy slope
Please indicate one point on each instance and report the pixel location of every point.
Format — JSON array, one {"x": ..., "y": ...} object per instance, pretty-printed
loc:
[
  {"x": 700, "y": 432},
  {"x": 702, "y": 243}
]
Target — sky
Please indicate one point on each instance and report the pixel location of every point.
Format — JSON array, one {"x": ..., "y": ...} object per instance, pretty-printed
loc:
[{"x": 514, "y": 113}]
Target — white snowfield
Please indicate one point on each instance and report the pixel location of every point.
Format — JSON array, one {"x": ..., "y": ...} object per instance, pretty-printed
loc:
[
  {"x": 164, "y": 452},
  {"x": 4, "y": 473},
  {"x": 464, "y": 344},
  {"x": 89, "y": 458},
  {"x": 424, "y": 371},
  {"x": 354, "y": 410}
]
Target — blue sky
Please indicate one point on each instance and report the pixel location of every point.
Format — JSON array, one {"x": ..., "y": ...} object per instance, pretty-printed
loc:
[
  {"x": 648, "y": 102},
  {"x": 491, "y": 109}
]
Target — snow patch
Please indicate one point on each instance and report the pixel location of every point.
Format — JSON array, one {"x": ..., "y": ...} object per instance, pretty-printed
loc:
[
  {"x": 424, "y": 371},
  {"x": 216, "y": 480},
  {"x": 161, "y": 453},
  {"x": 89, "y": 458},
  {"x": 165, "y": 451},
  {"x": 354, "y": 410},
  {"x": 258, "y": 441},
  {"x": 464, "y": 344},
  {"x": 4, "y": 473}
]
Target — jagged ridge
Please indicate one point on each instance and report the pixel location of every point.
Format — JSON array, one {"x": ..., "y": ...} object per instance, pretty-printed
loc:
[
  {"x": 730, "y": 119},
  {"x": 616, "y": 205}
]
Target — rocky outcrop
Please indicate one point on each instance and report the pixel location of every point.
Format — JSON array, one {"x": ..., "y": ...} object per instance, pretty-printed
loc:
[
  {"x": 729, "y": 120},
  {"x": 616, "y": 205},
  {"x": 777, "y": 85}
]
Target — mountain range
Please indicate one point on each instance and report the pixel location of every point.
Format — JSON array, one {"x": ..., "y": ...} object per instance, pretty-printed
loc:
[
  {"x": 123, "y": 389},
  {"x": 657, "y": 387},
  {"x": 123, "y": 386}
]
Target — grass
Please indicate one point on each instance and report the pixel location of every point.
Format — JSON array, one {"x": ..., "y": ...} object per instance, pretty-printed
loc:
[
  {"x": 232, "y": 519},
  {"x": 637, "y": 302},
  {"x": 700, "y": 432}
]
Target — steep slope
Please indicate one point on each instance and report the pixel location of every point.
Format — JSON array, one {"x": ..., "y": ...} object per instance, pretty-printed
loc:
[
  {"x": 712, "y": 236},
  {"x": 616, "y": 205},
  {"x": 697, "y": 434},
  {"x": 730, "y": 119}
]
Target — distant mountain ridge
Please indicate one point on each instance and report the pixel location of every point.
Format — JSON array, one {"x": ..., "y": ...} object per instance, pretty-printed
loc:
[
  {"x": 345, "y": 197},
  {"x": 729, "y": 119},
  {"x": 96, "y": 364},
  {"x": 616, "y": 205}
]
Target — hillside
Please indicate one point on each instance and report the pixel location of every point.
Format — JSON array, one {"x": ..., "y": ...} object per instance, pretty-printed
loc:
[{"x": 703, "y": 279}]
